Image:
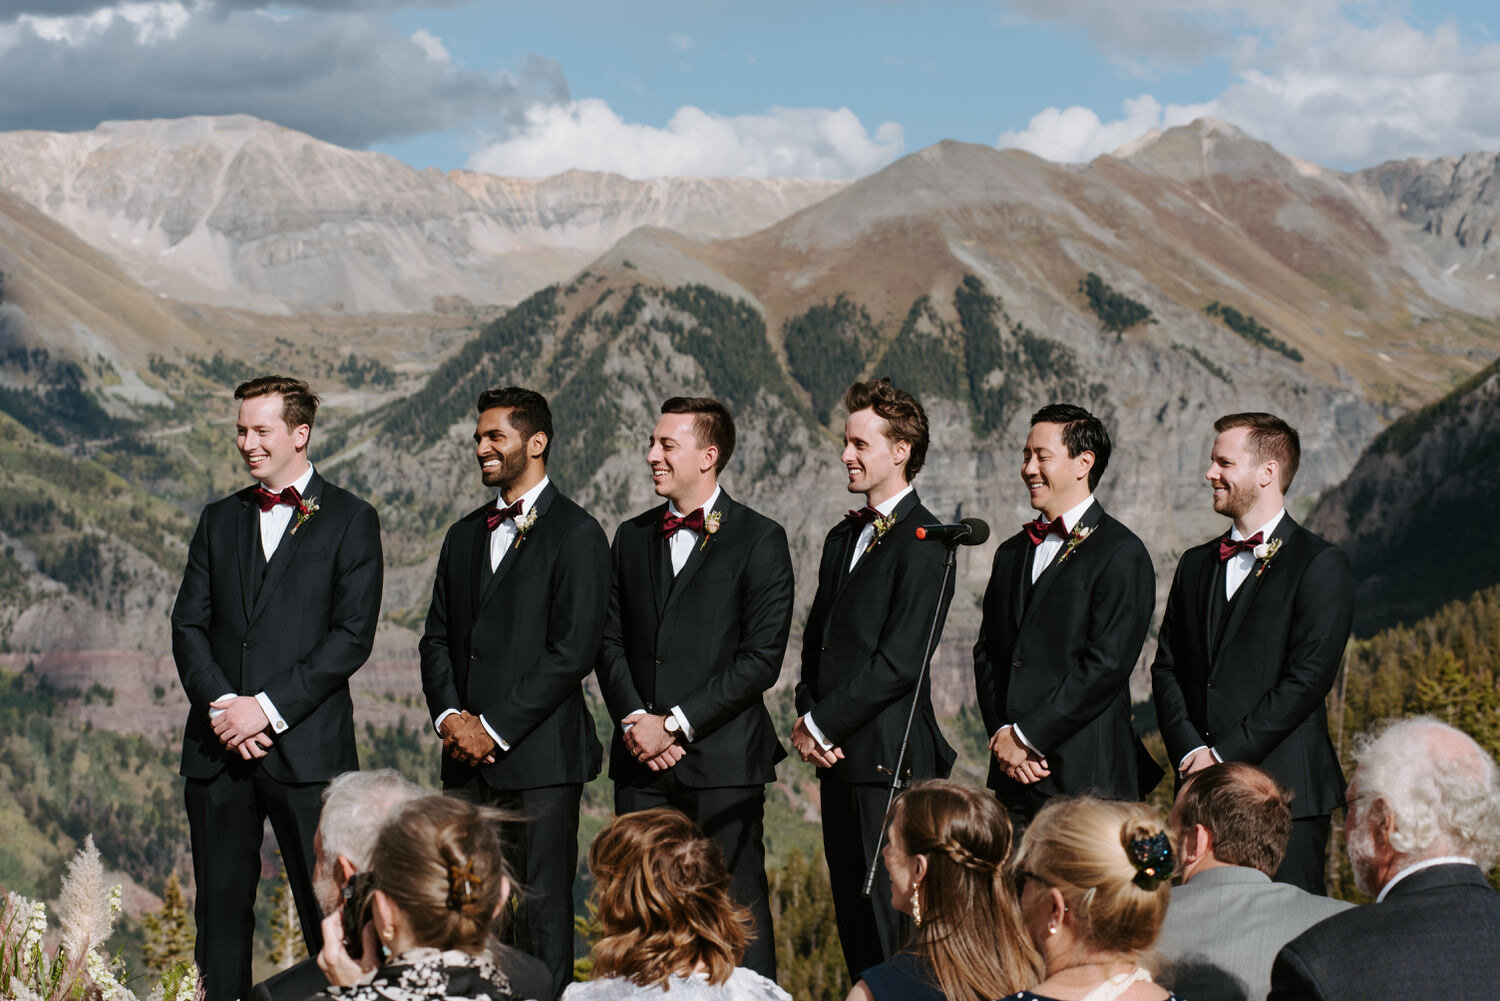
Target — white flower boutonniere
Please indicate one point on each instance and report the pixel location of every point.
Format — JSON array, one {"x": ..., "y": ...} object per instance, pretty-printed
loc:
[
  {"x": 882, "y": 525},
  {"x": 1265, "y": 553},
  {"x": 1075, "y": 539},
  {"x": 710, "y": 527},
  {"x": 306, "y": 508},
  {"x": 524, "y": 525}
]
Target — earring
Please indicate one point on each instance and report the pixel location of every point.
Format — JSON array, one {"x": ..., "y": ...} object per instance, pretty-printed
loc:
[
  {"x": 916, "y": 907},
  {"x": 1052, "y": 929},
  {"x": 388, "y": 933}
]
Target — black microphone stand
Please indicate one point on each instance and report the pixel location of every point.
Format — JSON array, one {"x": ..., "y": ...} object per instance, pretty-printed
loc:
[{"x": 898, "y": 778}]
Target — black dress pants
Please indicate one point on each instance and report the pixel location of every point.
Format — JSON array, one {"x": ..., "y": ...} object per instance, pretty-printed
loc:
[
  {"x": 1305, "y": 864},
  {"x": 871, "y": 930}
]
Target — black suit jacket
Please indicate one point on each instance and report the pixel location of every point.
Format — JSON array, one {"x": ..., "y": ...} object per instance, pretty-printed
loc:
[
  {"x": 528, "y": 976},
  {"x": 1257, "y": 694},
  {"x": 1436, "y": 935},
  {"x": 711, "y": 642},
  {"x": 309, "y": 627},
  {"x": 864, "y": 645},
  {"x": 1058, "y": 663},
  {"x": 516, "y": 651}
]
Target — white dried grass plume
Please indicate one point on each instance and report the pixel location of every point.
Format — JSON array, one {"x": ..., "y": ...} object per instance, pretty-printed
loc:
[{"x": 84, "y": 905}]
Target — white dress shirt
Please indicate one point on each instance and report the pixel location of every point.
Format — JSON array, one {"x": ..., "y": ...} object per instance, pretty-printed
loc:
[{"x": 1418, "y": 867}]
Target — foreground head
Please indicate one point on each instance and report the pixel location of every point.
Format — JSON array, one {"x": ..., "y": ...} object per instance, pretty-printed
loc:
[
  {"x": 1231, "y": 814},
  {"x": 690, "y": 446},
  {"x": 946, "y": 849},
  {"x": 1095, "y": 876},
  {"x": 662, "y": 893},
  {"x": 1422, "y": 789},
  {"x": 885, "y": 439},
  {"x": 355, "y": 808},
  {"x": 274, "y": 423},
  {"x": 439, "y": 874},
  {"x": 1254, "y": 459},
  {"x": 1066, "y": 453},
  {"x": 512, "y": 438}
]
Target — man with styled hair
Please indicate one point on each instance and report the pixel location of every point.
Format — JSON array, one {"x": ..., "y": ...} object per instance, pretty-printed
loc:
[
  {"x": 1066, "y": 611},
  {"x": 862, "y": 653},
  {"x": 518, "y": 607},
  {"x": 277, "y": 609},
  {"x": 1228, "y": 919},
  {"x": 1422, "y": 829},
  {"x": 699, "y": 614},
  {"x": 1253, "y": 635}
]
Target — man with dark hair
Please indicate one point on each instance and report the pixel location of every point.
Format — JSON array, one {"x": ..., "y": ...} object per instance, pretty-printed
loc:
[
  {"x": 517, "y": 614},
  {"x": 1252, "y": 638},
  {"x": 277, "y": 609},
  {"x": 862, "y": 652},
  {"x": 699, "y": 614},
  {"x": 1228, "y": 919},
  {"x": 1065, "y": 614}
]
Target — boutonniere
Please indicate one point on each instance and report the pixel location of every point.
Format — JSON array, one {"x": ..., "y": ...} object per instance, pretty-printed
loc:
[
  {"x": 1075, "y": 539},
  {"x": 1265, "y": 552},
  {"x": 306, "y": 508},
  {"x": 523, "y": 525},
  {"x": 881, "y": 525},
  {"x": 710, "y": 526}
]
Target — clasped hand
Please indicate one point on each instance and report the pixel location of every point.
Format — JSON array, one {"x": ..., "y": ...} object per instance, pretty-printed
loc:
[
  {"x": 647, "y": 738},
  {"x": 241, "y": 726},
  {"x": 466, "y": 740},
  {"x": 1020, "y": 762},
  {"x": 810, "y": 750}
]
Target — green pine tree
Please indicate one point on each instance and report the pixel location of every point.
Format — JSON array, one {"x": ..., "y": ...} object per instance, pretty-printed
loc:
[
  {"x": 809, "y": 959},
  {"x": 169, "y": 931}
]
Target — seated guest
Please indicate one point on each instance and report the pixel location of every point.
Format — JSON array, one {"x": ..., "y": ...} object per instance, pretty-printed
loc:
[
  {"x": 355, "y": 808},
  {"x": 1228, "y": 919},
  {"x": 1422, "y": 828},
  {"x": 668, "y": 923},
  {"x": 1094, "y": 877},
  {"x": 437, "y": 878},
  {"x": 945, "y": 851}
]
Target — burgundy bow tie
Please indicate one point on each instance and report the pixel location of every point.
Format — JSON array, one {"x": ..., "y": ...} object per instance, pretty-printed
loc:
[
  {"x": 1228, "y": 547},
  {"x": 1038, "y": 530},
  {"x": 670, "y": 523},
  {"x": 268, "y": 499},
  {"x": 495, "y": 514},
  {"x": 863, "y": 516}
]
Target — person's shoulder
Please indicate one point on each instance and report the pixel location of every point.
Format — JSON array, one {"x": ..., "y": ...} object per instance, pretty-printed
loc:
[{"x": 746, "y": 985}]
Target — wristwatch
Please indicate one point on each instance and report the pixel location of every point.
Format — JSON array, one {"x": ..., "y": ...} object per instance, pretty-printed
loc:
[{"x": 672, "y": 725}]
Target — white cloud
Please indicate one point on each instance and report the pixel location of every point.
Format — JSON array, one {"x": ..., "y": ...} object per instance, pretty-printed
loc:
[
  {"x": 681, "y": 42},
  {"x": 432, "y": 45},
  {"x": 1077, "y": 135},
  {"x": 782, "y": 142}
]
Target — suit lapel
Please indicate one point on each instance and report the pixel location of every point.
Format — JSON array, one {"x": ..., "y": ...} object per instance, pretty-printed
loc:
[
  {"x": 657, "y": 557},
  {"x": 1021, "y": 558},
  {"x": 700, "y": 551},
  {"x": 1043, "y": 584},
  {"x": 247, "y": 528},
  {"x": 286, "y": 549},
  {"x": 899, "y": 513},
  {"x": 512, "y": 556},
  {"x": 1248, "y": 589},
  {"x": 479, "y": 557},
  {"x": 1208, "y": 579}
]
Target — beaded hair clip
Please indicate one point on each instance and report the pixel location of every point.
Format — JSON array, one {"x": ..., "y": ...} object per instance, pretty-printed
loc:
[{"x": 1152, "y": 858}]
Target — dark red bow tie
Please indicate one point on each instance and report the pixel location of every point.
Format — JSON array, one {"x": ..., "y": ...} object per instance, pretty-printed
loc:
[
  {"x": 670, "y": 523},
  {"x": 1228, "y": 547},
  {"x": 495, "y": 514},
  {"x": 268, "y": 499},
  {"x": 863, "y": 516},
  {"x": 1038, "y": 530}
]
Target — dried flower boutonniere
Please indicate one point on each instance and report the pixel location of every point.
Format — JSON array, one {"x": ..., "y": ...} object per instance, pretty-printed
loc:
[
  {"x": 710, "y": 526},
  {"x": 1265, "y": 553},
  {"x": 524, "y": 525},
  {"x": 306, "y": 508},
  {"x": 1075, "y": 539},
  {"x": 882, "y": 525}
]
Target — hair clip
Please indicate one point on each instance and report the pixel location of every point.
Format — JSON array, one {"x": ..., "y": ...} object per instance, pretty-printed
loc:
[
  {"x": 463, "y": 886},
  {"x": 1152, "y": 858}
]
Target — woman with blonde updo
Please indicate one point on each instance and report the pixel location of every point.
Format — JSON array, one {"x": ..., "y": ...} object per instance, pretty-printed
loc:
[
  {"x": 945, "y": 852},
  {"x": 661, "y": 891},
  {"x": 1094, "y": 877},
  {"x": 437, "y": 881}
]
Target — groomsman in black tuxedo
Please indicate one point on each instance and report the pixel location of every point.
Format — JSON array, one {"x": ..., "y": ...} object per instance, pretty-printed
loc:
[
  {"x": 516, "y": 617},
  {"x": 1255, "y": 628},
  {"x": 699, "y": 615},
  {"x": 1065, "y": 614},
  {"x": 277, "y": 609},
  {"x": 878, "y": 587}
]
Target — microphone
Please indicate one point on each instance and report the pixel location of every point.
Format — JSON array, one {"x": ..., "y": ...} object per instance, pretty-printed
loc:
[{"x": 968, "y": 532}]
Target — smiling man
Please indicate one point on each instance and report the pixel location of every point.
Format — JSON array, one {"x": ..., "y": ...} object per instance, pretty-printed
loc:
[
  {"x": 862, "y": 652},
  {"x": 1252, "y": 638},
  {"x": 517, "y": 613},
  {"x": 277, "y": 609},
  {"x": 1065, "y": 614}
]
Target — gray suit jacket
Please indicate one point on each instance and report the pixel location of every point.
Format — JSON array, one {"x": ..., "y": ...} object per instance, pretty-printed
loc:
[{"x": 1223, "y": 930}]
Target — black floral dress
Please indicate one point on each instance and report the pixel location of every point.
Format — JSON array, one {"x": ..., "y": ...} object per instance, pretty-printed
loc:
[{"x": 426, "y": 975}]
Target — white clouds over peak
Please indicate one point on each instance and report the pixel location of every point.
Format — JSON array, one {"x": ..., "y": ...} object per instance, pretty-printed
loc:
[
  {"x": 1077, "y": 135},
  {"x": 782, "y": 142}
]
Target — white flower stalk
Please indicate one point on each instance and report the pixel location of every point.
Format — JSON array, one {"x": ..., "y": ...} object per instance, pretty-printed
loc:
[
  {"x": 103, "y": 978},
  {"x": 83, "y": 906}
]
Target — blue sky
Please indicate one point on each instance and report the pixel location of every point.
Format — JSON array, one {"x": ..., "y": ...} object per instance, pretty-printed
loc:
[{"x": 828, "y": 89}]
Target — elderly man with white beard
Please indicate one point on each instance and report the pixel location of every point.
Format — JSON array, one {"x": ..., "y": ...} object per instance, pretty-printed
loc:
[{"x": 1423, "y": 828}]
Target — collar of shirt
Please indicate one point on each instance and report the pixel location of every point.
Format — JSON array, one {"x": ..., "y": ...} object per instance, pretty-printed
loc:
[
  {"x": 1265, "y": 530},
  {"x": 1427, "y": 863},
  {"x": 300, "y": 483},
  {"x": 1074, "y": 515},
  {"x": 708, "y": 505},
  {"x": 1048, "y": 547},
  {"x": 888, "y": 505},
  {"x": 528, "y": 499}
]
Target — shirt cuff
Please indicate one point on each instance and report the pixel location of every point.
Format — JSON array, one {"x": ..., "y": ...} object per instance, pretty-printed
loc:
[
  {"x": 1015, "y": 729},
  {"x": 817, "y": 734},
  {"x": 216, "y": 713},
  {"x": 1181, "y": 764},
  {"x": 625, "y": 727},
  {"x": 499, "y": 741},
  {"x": 278, "y": 724},
  {"x": 682, "y": 721},
  {"x": 437, "y": 724}
]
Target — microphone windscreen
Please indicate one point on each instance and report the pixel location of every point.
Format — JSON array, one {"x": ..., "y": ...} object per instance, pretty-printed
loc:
[{"x": 980, "y": 531}]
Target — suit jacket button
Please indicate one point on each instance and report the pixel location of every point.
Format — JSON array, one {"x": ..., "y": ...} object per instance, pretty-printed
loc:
[
  {"x": 1208, "y": 735},
  {"x": 473, "y": 656},
  {"x": 1213, "y": 684},
  {"x": 1015, "y": 664},
  {"x": 825, "y": 648},
  {"x": 661, "y": 660},
  {"x": 248, "y": 644}
]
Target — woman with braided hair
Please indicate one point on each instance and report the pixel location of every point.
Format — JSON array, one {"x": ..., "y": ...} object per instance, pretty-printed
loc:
[
  {"x": 1094, "y": 876},
  {"x": 437, "y": 882},
  {"x": 945, "y": 852}
]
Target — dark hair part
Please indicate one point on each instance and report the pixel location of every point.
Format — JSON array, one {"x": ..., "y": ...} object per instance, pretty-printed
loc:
[
  {"x": 712, "y": 424},
  {"x": 529, "y": 412},
  {"x": 439, "y": 859},
  {"x": 1271, "y": 439},
  {"x": 1245, "y": 810},
  {"x": 299, "y": 404},
  {"x": 1082, "y": 432},
  {"x": 900, "y": 410}
]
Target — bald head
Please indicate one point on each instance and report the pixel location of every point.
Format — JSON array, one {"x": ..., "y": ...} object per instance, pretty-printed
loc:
[{"x": 1243, "y": 811}]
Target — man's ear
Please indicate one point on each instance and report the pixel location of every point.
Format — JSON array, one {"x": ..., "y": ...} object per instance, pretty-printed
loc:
[
  {"x": 1085, "y": 462},
  {"x": 300, "y": 434},
  {"x": 901, "y": 453},
  {"x": 536, "y": 445},
  {"x": 344, "y": 870},
  {"x": 710, "y": 459},
  {"x": 1200, "y": 844}
]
